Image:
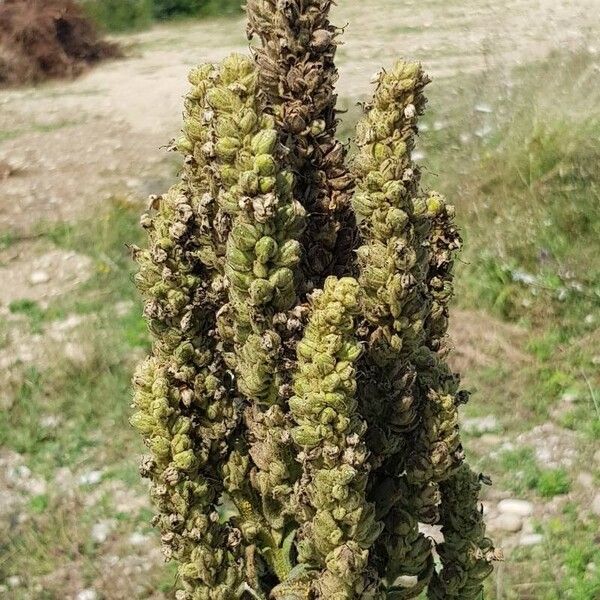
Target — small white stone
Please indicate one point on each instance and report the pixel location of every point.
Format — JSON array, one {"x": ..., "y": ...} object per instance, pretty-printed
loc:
[
  {"x": 531, "y": 539},
  {"x": 521, "y": 508},
  {"x": 596, "y": 505},
  {"x": 484, "y": 131},
  {"x": 138, "y": 539},
  {"x": 123, "y": 308},
  {"x": 39, "y": 277},
  {"x": 63, "y": 478},
  {"x": 88, "y": 594},
  {"x": 585, "y": 480},
  {"x": 481, "y": 425},
  {"x": 20, "y": 472},
  {"x": 91, "y": 478},
  {"x": 507, "y": 522},
  {"x": 569, "y": 397},
  {"x": 13, "y": 581},
  {"x": 484, "y": 108},
  {"x": 101, "y": 531},
  {"x": 50, "y": 422},
  {"x": 465, "y": 138}
]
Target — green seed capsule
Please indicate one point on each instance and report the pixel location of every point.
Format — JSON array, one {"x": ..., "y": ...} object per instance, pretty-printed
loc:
[
  {"x": 249, "y": 183},
  {"x": 261, "y": 292},
  {"x": 282, "y": 278},
  {"x": 266, "y": 184},
  {"x": 266, "y": 248},
  {"x": 143, "y": 422},
  {"x": 222, "y": 99},
  {"x": 227, "y": 148},
  {"x": 245, "y": 236},
  {"x": 435, "y": 205},
  {"x": 265, "y": 164},
  {"x": 240, "y": 281},
  {"x": 264, "y": 142},
  {"x": 229, "y": 175},
  {"x": 248, "y": 121},
  {"x": 184, "y": 145},
  {"x": 185, "y": 460},
  {"x": 306, "y": 436},
  {"x": 239, "y": 260},
  {"x": 226, "y": 126}
]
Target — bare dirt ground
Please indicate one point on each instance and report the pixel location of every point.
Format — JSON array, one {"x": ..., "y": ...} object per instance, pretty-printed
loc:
[{"x": 69, "y": 145}]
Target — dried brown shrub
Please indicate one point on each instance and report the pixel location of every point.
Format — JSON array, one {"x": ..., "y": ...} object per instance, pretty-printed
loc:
[{"x": 42, "y": 39}]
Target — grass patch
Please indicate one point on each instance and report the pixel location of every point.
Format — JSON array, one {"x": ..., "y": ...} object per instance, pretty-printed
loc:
[
  {"x": 9, "y": 134},
  {"x": 91, "y": 396},
  {"x": 523, "y": 474},
  {"x": 118, "y": 15},
  {"x": 6, "y": 240},
  {"x": 32, "y": 310},
  {"x": 527, "y": 189},
  {"x": 89, "y": 402},
  {"x": 565, "y": 566},
  {"x": 106, "y": 240}
]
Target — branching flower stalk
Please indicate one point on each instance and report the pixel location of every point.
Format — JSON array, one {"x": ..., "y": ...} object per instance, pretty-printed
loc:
[{"x": 299, "y": 412}]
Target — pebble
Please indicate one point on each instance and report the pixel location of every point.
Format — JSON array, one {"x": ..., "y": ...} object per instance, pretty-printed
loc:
[
  {"x": 91, "y": 478},
  {"x": 569, "y": 397},
  {"x": 50, "y": 422},
  {"x": 596, "y": 505},
  {"x": 490, "y": 439},
  {"x": 19, "y": 472},
  {"x": 484, "y": 108},
  {"x": 123, "y": 308},
  {"x": 507, "y": 522},
  {"x": 13, "y": 581},
  {"x": 39, "y": 277},
  {"x": 520, "y": 508},
  {"x": 88, "y": 594},
  {"x": 138, "y": 539},
  {"x": 531, "y": 539},
  {"x": 585, "y": 480},
  {"x": 101, "y": 531},
  {"x": 481, "y": 425}
]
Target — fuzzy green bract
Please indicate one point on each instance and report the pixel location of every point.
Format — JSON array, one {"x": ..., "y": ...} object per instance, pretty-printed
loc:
[{"x": 300, "y": 415}]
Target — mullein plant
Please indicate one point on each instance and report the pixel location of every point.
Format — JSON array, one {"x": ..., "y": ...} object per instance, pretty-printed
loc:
[{"x": 300, "y": 416}]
